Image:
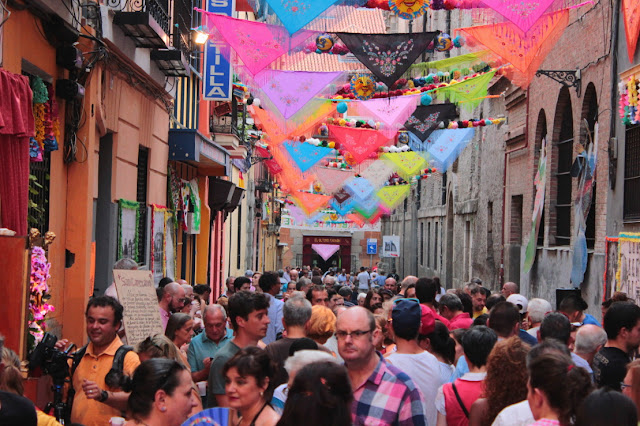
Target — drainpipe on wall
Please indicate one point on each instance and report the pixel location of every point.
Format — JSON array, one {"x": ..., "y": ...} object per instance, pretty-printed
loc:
[{"x": 504, "y": 186}]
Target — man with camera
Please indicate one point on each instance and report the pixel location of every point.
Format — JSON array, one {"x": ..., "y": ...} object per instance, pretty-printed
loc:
[{"x": 95, "y": 402}]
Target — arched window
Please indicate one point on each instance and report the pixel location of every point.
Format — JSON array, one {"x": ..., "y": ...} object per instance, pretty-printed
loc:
[
  {"x": 590, "y": 114},
  {"x": 563, "y": 153},
  {"x": 541, "y": 133}
]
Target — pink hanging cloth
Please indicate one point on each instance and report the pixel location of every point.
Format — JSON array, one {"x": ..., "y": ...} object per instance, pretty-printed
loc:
[{"x": 17, "y": 125}]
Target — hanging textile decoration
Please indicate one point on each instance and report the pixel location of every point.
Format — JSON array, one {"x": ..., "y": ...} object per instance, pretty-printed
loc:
[
  {"x": 128, "y": 219},
  {"x": 344, "y": 207},
  {"x": 538, "y": 207},
  {"x": 332, "y": 179},
  {"x": 357, "y": 219},
  {"x": 631, "y": 13},
  {"x": 341, "y": 196},
  {"x": 361, "y": 143},
  {"x": 388, "y": 56},
  {"x": 409, "y": 9},
  {"x": 523, "y": 14},
  {"x": 456, "y": 61},
  {"x": 367, "y": 208},
  {"x": 392, "y": 195},
  {"x": 446, "y": 149},
  {"x": 360, "y": 188},
  {"x": 524, "y": 51},
  {"x": 295, "y": 14},
  {"x": 269, "y": 125},
  {"x": 289, "y": 91},
  {"x": 392, "y": 112},
  {"x": 425, "y": 119},
  {"x": 309, "y": 202},
  {"x": 277, "y": 132},
  {"x": 305, "y": 155},
  {"x": 377, "y": 173},
  {"x": 468, "y": 93},
  {"x": 272, "y": 165},
  {"x": 362, "y": 86},
  {"x": 407, "y": 164},
  {"x": 325, "y": 250},
  {"x": 422, "y": 146},
  {"x": 256, "y": 43},
  {"x": 585, "y": 165}
]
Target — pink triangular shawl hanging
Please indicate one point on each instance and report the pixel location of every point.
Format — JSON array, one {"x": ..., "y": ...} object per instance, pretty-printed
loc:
[
  {"x": 392, "y": 112},
  {"x": 361, "y": 143},
  {"x": 256, "y": 44},
  {"x": 522, "y": 13},
  {"x": 331, "y": 179},
  {"x": 325, "y": 250}
]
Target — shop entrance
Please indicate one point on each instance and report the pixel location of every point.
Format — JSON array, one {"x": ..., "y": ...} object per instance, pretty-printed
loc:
[{"x": 340, "y": 259}]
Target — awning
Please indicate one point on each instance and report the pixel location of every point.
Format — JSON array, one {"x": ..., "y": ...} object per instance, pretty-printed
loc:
[{"x": 193, "y": 147}]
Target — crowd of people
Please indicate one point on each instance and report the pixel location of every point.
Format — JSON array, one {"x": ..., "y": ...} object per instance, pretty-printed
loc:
[{"x": 299, "y": 346}]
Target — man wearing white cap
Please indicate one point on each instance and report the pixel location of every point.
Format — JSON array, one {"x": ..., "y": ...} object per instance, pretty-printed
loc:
[{"x": 522, "y": 304}]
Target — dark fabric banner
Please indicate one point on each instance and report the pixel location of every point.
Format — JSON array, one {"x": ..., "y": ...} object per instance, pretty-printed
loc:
[
  {"x": 425, "y": 119},
  {"x": 388, "y": 56}
]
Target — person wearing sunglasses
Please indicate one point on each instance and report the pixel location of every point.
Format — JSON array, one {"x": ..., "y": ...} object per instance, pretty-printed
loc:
[{"x": 382, "y": 394}]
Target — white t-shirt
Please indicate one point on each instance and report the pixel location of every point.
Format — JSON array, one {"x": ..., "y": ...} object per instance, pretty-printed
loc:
[
  {"x": 363, "y": 280},
  {"x": 424, "y": 371},
  {"x": 515, "y": 415}
]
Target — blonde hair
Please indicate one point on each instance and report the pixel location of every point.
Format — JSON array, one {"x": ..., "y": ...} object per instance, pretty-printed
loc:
[
  {"x": 159, "y": 346},
  {"x": 322, "y": 324}
]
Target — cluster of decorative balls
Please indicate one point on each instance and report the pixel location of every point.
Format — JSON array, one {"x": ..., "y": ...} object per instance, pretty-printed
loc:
[
  {"x": 345, "y": 91},
  {"x": 316, "y": 142},
  {"x": 473, "y": 123},
  {"x": 394, "y": 149},
  {"x": 424, "y": 174}
]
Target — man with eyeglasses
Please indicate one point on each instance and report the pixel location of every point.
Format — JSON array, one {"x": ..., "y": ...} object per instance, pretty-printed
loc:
[
  {"x": 173, "y": 300},
  {"x": 382, "y": 394}
]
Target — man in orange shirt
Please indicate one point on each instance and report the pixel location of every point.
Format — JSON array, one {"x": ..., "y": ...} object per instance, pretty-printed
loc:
[{"x": 95, "y": 402}]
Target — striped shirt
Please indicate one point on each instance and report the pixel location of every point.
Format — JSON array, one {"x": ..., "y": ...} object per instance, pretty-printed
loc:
[{"x": 388, "y": 397}]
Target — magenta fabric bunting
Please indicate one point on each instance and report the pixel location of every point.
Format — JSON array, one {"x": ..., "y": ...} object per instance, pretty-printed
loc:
[
  {"x": 305, "y": 155},
  {"x": 522, "y": 13},
  {"x": 295, "y": 14},
  {"x": 325, "y": 250},
  {"x": 256, "y": 43},
  {"x": 361, "y": 143},
  {"x": 388, "y": 56},
  {"x": 392, "y": 112},
  {"x": 289, "y": 91}
]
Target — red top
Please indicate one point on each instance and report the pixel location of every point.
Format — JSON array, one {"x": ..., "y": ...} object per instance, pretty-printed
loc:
[
  {"x": 469, "y": 392},
  {"x": 462, "y": 320}
]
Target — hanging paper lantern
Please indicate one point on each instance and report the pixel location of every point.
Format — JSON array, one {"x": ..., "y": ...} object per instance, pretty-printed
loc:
[
  {"x": 324, "y": 43},
  {"x": 323, "y": 130},
  {"x": 426, "y": 99},
  {"x": 342, "y": 107},
  {"x": 444, "y": 43},
  {"x": 362, "y": 86},
  {"x": 409, "y": 9}
]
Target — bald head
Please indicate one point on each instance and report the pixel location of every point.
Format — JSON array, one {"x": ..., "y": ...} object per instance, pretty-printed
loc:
[
  {"x": 188, "y": 290},
  {"x": 356, "y": 314},
  {"x": 408, "y": 280},
  {"x": 391, "y": 285},
  {"x": 510, "y": 288}
]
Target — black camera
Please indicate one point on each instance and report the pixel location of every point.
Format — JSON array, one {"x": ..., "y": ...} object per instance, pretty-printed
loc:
[{"x": 53, "y": 362}]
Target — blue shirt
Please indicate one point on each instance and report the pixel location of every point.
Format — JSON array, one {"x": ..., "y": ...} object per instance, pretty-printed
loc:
[
  {"x": 380, "y": 279},
  {"x": 527, "y": 338},
  {"x": 590, "y": 319},
  {"x": 201, "y": 348},
  {"x": 275, "y": 316}
]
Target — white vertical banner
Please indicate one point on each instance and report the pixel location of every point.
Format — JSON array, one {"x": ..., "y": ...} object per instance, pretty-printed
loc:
[
  {"x": 390, "y": 246},
  {"x": 218, "y": 74}
]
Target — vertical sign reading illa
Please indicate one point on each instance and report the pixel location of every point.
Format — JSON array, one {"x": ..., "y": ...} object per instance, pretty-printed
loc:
[
  {"x": 137, "y": 295},
  {"x": 217, "y": 69}
]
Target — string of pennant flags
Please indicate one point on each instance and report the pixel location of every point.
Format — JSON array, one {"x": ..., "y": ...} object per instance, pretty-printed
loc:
[{"x": 348, "y": 144}]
